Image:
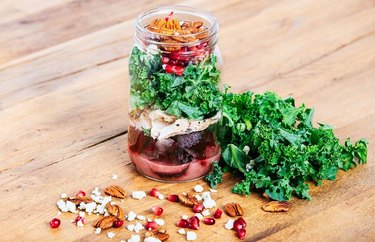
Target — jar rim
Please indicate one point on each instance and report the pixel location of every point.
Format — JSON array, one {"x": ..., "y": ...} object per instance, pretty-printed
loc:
[{"x": 142, "y": 32}]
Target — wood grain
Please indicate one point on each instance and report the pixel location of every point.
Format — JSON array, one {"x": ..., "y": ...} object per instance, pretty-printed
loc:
[{"x": 63, "y": 109}]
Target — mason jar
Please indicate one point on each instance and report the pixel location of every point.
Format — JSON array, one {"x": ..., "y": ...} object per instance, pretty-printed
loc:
[{"x": 175, "y": 100}]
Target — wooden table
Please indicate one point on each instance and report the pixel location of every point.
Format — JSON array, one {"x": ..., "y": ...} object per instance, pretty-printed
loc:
[{"x": 64, "y": 98}]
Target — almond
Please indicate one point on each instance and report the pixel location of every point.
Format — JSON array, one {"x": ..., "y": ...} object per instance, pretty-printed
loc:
[
  {"x": 115, "y": 191},
  {"x": 78, "y": 200},
  {"x": 105, "y": 222},
  {"x": 276, "y": 206},
  {"x": 233, "y": 209},
  {"x": 188, "y": 199},
  {"x": 158, "y": 234},
  {"x": 115, "y": 210}
]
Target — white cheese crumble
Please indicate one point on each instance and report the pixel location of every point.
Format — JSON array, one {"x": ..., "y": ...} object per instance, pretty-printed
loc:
[
  {"x": 199, "y": 216},
  {"x": 138, "y": 195},
  {"x": 63, "y": 195},
  {"x": 184, "y": 216},
  {"x": 131, "y": 216},
  {"x": 213, "y": 190},
  {"x": 190, "y": 236},
  {"x": 198, "y": 197},
  {"x": 62, "y": 206},
  {"x": 135, "y": 238},
  {"x": 229, "y": 224},
  {"x": 114, "y": 177},
  {"x": 141, "y": 217},
  {"x": 80, "y": 224},
  {"x": 138, "y": 227},
  {"x": 198, "y": 188},
  {"x": 206, "y": 212},
  {"x": 181, "y": 231},
  {"x": 161, "y": 196},
  {"x": 58, "y": 213},
  {"x": 71, "y": 206},
  {"x": 152, "y": 239},
  {"x": 130, "y": 227},
  {"x": 159, "y": 221},
  {"x": 206, "y": 195},
  {"x": 98, "y": 230},
  {"x": 209, "y": 203},
  {"x": 110, "y": 235},
  {"x": 89, "y": 207}
]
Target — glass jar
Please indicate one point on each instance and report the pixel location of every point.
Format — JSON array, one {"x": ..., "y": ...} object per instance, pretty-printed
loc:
[{"x": 175, "y": 100}]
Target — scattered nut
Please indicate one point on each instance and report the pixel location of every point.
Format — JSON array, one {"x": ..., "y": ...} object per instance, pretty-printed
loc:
[
  {"x": 105, "y": 222},
  {"x": 233, "y": 209},
  {"x": 78, "y": 200},
  {"x": 158, "y": 234},
  {"x": 276, "y": 206},
  {"x": 115, "y": 210},
  {"x": 188, "y": 199},
  {"x": 115, "y": 191}
]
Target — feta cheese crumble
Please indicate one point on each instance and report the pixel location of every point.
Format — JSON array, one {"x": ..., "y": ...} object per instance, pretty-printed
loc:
[
  {"x": 184, "y": 216},
  {"x": 138, "y": 195},
  {"x": 161, "y": 196},
  {"x": 98, "y": 230},
  {"x": 141, "y": 217},
  {"x": 229, "y": 224},
  {"x": 181, "y": 231},
  {"x": 159, "y": 221},
  {"x": 152, "y": 239},
  {"x": 131, "y": 216},
  {"x": 63, "y": 195},
  {"x": 206, "y": 212},
  {"x": 110, "y": 235},
  {"x": 190, "y": 236},
  {"x": 134, "y": 238},
  {"x": 198, "y": 188},
  {"x": 130, "y": 227},
  {"x": 114, "y": 177},
  {"x": 199, "y": 216}
]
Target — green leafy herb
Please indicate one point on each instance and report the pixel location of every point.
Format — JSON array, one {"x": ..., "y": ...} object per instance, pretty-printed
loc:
[
  {"x": 194, "y": 95},
  {"x": 216, "y": 176},
  {"x": 284, "y": 149}
]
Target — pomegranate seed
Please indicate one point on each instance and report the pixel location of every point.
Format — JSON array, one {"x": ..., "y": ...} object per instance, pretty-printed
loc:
[
  {"x": 239, "y": 224},
  {"x": 151, "y": 225},
  {"x": 164, "y": 60},
  {"x": 173, "y": 198},
  {"x": 209, "y": 221},
  {"x": 194, "y": 223},
  {"x": 118, "y": 223},
  {"x": 198, "y": 208},
  {"x": 79, "y": 218},
  {"x": 154, "y": 192},
  {"x": 241, "y": 233},
  {"x": 157, "y": 210},
  {"x": 218, "y": 213},
  {"x": 169, "y": 16},
  {"x": 55, "y": 223},
  {"x": 81, "y": 193},
  {"x": 178, "y": 70},
  {"x": 183, "y": 223}
]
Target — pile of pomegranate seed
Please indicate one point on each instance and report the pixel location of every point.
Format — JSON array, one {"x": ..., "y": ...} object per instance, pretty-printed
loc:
[{"x": 239, "y": 226}]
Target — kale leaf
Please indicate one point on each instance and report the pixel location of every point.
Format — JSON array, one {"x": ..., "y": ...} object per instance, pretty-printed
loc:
[
  {"x": 284, "y": 150},
  {"x": 215, "y": 176}
]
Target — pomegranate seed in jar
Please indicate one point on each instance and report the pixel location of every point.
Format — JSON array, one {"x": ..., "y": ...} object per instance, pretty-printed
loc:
[
  {"x": 81, "y": 193},
  {"x": 157, "y": 210},
  {"x": 151, "y": 225},
  {"x": 173, "y": 198},
  {"x": 198, "y": 208},
  {"x": 154, "y": 192},
  {"x": 164, "y": 60},
  {"x": 218, "y": 213},
  {"x": 55, "y": 223},
  {"x": 194, "y": 223},
  {"x": 241, "y": 233},
  {"x": 209, "y": 221},
  {"x": 183, "y": 223},
  {"x": 118, "y": 223}
]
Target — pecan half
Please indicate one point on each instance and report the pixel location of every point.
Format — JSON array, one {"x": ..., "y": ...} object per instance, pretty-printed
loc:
[
  {"x": 105, "y": 222},
  {"x": 276, "y": 206},
  {"x": 158, "y": 234},
  {"x": 188, "y": 199},
  {"x": 78, "y": 200},
  {"x": 115, "y": 210},
  {"x": 115, "y": 191},
  {"x": 233, "y": 209}
]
